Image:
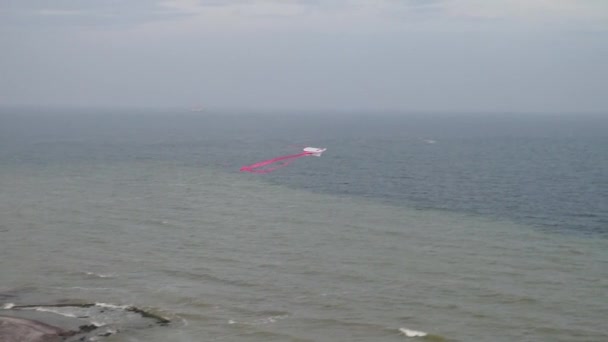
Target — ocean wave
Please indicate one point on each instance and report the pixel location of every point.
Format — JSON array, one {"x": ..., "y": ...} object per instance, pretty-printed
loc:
[
  {"x": 422, "y": 334},
  {"x": 260, "y": 321},
  {"x": 412, "y": 333},
  {"x": 100, "y": 275}
]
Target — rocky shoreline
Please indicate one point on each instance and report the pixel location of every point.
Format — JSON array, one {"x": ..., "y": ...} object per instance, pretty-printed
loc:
[{"x": 68, "y": 322}]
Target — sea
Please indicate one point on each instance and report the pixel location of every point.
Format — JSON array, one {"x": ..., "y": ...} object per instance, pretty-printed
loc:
[{"x": 410, "y": 227}]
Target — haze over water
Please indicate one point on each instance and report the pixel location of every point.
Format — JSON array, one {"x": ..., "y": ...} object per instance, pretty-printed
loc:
[{"x": 466, "y": 227}]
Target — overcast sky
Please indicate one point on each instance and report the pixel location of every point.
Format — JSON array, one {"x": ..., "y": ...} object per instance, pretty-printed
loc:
[{"x": 409, "y": 55}]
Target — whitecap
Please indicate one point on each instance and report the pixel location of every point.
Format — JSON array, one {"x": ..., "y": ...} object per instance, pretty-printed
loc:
[
  {"x": 268, "y": 320},
  {"x": 100, "y": 275},
  {"x": 412, "y": 333},
  {"x": 112, "y": 306},
  {"x": 260, "y": 321},
  {"x": 60, "y": 311}
]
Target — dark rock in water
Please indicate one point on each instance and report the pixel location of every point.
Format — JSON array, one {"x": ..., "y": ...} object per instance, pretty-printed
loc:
[
  {"x": 67, "y": 322},
  {"x": 14, "y": 329}
]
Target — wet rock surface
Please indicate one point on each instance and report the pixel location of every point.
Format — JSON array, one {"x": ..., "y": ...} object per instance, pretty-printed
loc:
[
  {"x": 69, "y": 322},
  {"x": 15, "y": 329}
]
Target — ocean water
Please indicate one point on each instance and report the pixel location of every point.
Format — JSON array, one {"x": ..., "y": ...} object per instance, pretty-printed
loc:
[{"x": 461, "y": 227}]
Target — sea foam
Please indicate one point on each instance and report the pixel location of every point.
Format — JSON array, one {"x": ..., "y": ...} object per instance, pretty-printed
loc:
[{"x": 412, "y": 333}]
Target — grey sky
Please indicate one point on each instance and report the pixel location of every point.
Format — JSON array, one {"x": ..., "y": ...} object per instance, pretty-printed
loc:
[{"x": 446, "y": 55}]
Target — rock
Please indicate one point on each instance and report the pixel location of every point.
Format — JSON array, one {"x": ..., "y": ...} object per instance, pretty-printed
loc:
[
  {"x": 14, "y": 329},
  {"x": 65, "y": 322}
]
